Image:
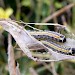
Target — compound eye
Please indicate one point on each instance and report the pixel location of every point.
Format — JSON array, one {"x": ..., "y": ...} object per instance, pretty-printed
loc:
[{"x": 73, "y": 50}]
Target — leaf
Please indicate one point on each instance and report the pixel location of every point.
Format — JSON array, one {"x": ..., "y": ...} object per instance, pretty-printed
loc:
[
  {"x": 58, "y": 5},
  {"x": 26, "y": 3},
  {"x": 8, "y": 12},
  {"x": 23, "y": 39},
  {"x": 2, "y": 13},
  {"x": 26, "y": 42},
  {"x": 47, "y": 2}
]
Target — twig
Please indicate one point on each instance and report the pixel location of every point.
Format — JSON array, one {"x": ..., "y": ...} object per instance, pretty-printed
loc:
[
  {"x": 39, "y": 8},
  {"x": 2, "y": 3},
  {"x": 13, "y": 70},
  {"x": 18, "y": 9},
  {"x": 47, "y": 66},
  {"x": 53, "y": 10},
  {"x": 59, "y": 12},
  {"x": 11, "y": 60},
  {"x": 20, "y": 54},
  {"x": 73, "y": 14},
  {"x": 64, "y": 20},
  {"x": 53, "y": 68},
  {"x": 17, "y": 69},
  {"x": 32, "y": 71}
]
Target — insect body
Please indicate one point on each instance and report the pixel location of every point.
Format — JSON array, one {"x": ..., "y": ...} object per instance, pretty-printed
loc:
[
  {"x": 59, "y": 48},
  {"x": 48, "y": 35},
  {"x": 46, "y": 38}
]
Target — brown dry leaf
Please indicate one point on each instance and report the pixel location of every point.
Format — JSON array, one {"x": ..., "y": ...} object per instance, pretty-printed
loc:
[{"x": 26, "y": 41}]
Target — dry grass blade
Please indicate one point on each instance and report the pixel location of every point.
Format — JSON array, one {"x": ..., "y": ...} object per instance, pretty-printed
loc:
[
  {"x": 11, "y": 59},
  {"x": 17, "y": 70},
  {"x": 57, "y": 13},
  {"x": 53, "y": 69}
]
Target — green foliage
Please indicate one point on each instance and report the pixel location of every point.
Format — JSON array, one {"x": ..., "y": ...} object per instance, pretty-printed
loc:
[
  {"x": 58, "y": 5},
  {"x": 35, "y": 11},
  {"x": 26, "y": 3}
]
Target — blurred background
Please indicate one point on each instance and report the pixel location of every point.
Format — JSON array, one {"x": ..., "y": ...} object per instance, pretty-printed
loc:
[{"x": 50, "y": 11}]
